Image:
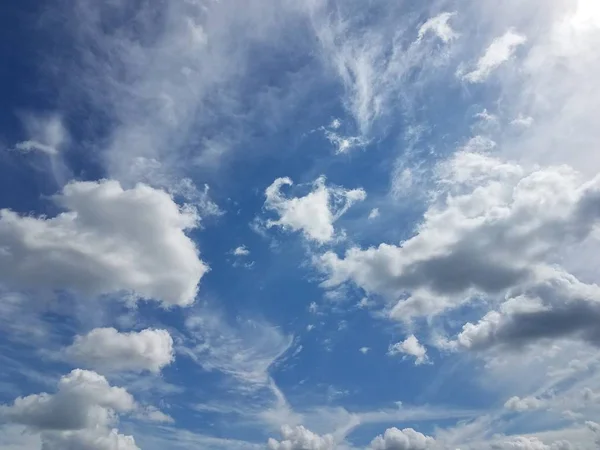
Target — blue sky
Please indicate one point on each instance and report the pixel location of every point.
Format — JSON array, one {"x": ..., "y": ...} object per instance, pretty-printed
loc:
[{"x": 299, "y": 225}]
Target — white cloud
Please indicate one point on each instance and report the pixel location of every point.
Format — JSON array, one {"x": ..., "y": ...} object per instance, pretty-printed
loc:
[
  {"x": 45, "y": 133},
  {"x": 439, "y": 26},
  {"x": 372, "y": 62},
  {"x": 500, "y": 50},
  {"x": 78, "y": 416},
  {"x": 300, "y": 438},
  {"x": 315, "y": 213},
  {"x": 364, "y": 350},
  {"x": 242, "y": 250},
  {"x": 84, "y": 400},
  {"x": 410, "y": 346},
  {"x": 107, "y": 350},
  {"x": 96, "y": 439},
  {"x": 374, "y": 213},
  {"x": 492, "y": 227},
  {"x": 406, "y": 439},
  {"x": 109, "y": 239},
  {"x": 523, "y": 404},
  {"x": 245, "y": 351},
  {"x": 343, "y": 144}
]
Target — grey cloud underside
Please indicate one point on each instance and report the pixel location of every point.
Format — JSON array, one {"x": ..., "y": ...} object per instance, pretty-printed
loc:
[
  {"x": 482, "y": 238},
  {"x": 562, "y": 307}
]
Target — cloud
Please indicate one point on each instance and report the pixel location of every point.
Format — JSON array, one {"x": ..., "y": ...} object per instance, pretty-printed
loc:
[
  {"x": 245, "y": 351},
  {"x": 242, "y": 250},
  {"x": 300, "y": 438},
  {"x": 84, "y": 400},
  {"x": 373, "y": 57},
  {"x": 77, "y": 416},
  {"x": 528, "y": 443},
  {"x": 374, "y": 214},
  {"x": 411, "y": 346},
  {"x": 439, "y": 26},
  {"x": 45, "y": 133},
  {"x": 406, "y": 439},
  {"x": 315, "y": 213},
  {"x": 523, "y": 404},
  {"x": 500, "y": 50},
  {"x": 490, "y": 227},
  {"x": 171, "y": 87},
  {"x": 557, "y": 307},
  {"x": 107, "y": 350},
  {"x": 109, "y": 239},
  {"x": 97, "y": 439},
  {"x": 364, "y": 350}
]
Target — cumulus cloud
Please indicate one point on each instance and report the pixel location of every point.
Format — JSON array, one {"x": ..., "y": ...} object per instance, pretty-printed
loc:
[
  {"x": 97, "y": 439},
  {"x": 439, "y": 26},
  {"x": 523, "y": 404},
  {"x": 109, "y": 239},
  {"x": 499, "y": 51},
  {"x": 406, "y": 439},
  {"x": 559, "y": 306},
  {"x": 45, "y": 133},
  {"x": 315, "y": 213},
  {"x": 492, "y": 226},
  {"x": 78, "y": 416},
  {"x": 107, "y": 350},
  {"x": 529, "y": 443},
  {"x": 412, "y": 347},
  {"x": 242, "y": 250},
  {"x": 84, "y": 400},
  {"x": 300, "y": 438}
]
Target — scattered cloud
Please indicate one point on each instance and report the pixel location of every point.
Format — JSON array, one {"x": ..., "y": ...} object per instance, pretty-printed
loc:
[
  {"x": 529, "y": 214},
  {"x": 406, "y": 439},
  {"x": 107, "y": 350},
  {"x": 315, "y": 213},
  {"x": 242, "y": 250},
  {"x": 499, "y": 51},
  {"x": 45, "y": 134},
  {"x": 300, "y": 438},
  {"x": 109, "y": 239},
  {"x": 374, "y": 214},
  {"x": 410, "y": 347},
  {"x": 440, "y": 27},
  {"x": 78, "y": 415},
  {"x": 523, "y": 404}
]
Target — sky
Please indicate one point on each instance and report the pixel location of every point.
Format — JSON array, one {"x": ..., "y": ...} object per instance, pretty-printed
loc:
[{"x": 283, "y": 225}]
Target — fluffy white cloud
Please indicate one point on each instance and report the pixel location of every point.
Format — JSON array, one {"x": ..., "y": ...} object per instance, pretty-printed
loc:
[
  {"x": 500, "y": 50},
  {"x": 529, "y": 443},
  {"x": 410, "y": 346},
  {"x": 242, "y": 250},
  {"x": 45, "y": 134},
  {"x": 315, "y": 213},
  {"x": 78, "y": 416},
  {"x": 300, "y": 438},
  {"x": 84, "y": 400},
  {"x": 107, "y": 350},
  {"x": 523, "y": 404},
  {"x": 493, "y": 226},
  {"x": 109, "y": 239},
  {"x": 406, "y": 439},
  {"x": 96, "y": 439},
  {"x": 439, "y": 26}
]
